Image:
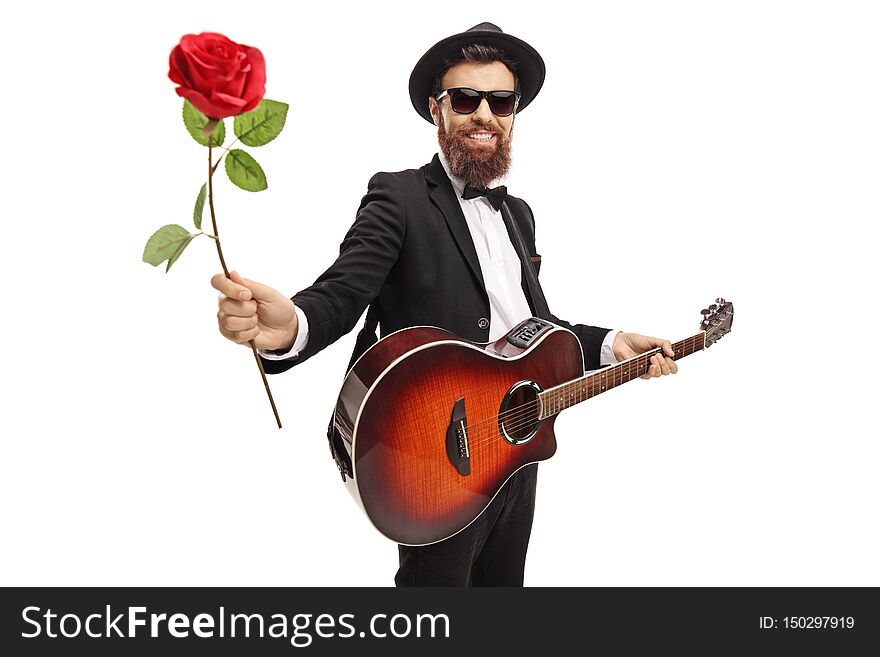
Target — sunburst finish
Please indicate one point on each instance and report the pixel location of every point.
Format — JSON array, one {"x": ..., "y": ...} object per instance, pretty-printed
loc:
[{"x": 405, "y": 481}]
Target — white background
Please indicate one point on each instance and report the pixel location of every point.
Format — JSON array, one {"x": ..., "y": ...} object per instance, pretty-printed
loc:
[{"x": 678, "y": 151}]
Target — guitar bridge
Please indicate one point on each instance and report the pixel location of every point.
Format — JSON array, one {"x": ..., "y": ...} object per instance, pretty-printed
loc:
[{"x": 457, "y": 448}]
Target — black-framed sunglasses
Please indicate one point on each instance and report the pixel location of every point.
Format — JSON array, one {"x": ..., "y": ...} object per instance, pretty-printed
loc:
[{"x": 465, "y": 100}]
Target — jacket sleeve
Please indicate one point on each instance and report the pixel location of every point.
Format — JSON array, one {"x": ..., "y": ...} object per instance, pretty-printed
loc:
[
  {"x": 336, "y": 300},
  {"x": 590, "y": 337}
]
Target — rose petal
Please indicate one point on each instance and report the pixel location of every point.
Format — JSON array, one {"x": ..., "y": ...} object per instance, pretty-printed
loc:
[
  {"x": 206, "y": 107},
  {"x": 236, "y": 65},
  {"x": 177, "y": 67},
  {"x": 220, "y": 99},
  {"x": 208, "y": 59},
  {"x": 232, "y": 84},
  {"x": 205, "y": 40},
  {"x": 194, "y": 75},
  {"x": 215, "y": 50},
  {"x": 204, "y": 71},
  {"x": 203, "y": 79},
  {"x": 255, "y": 88},
  {"x": 204, "y": 63}
]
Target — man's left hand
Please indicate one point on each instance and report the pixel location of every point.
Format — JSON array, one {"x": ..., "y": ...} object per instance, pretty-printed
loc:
[{"x": 627, "y": 345}]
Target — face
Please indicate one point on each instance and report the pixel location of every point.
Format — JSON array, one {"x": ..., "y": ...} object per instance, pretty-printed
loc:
[{"x": 478, "y": 160}]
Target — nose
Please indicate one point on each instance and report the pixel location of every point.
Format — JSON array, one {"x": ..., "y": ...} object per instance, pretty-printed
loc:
[{"x": 483, "y": 114}]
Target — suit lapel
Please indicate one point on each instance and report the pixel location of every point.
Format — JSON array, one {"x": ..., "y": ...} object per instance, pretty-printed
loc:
[{"x": 443, "y": 196}]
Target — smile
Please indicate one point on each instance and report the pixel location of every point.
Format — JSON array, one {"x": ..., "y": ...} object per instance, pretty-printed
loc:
[{"x": 481, "y": 136}]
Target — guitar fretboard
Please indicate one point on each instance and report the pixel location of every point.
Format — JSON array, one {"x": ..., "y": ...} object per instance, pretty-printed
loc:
[{"x": 557, "y": 399}]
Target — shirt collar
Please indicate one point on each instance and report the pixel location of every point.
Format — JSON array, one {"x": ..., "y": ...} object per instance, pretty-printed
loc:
[{"x": 457, "y": 183}]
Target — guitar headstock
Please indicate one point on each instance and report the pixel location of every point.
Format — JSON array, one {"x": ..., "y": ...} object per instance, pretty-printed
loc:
[{"x": 717, "y": 320}]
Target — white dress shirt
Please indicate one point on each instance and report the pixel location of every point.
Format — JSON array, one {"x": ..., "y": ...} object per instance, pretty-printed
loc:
[{"x": 499, "y": 263}]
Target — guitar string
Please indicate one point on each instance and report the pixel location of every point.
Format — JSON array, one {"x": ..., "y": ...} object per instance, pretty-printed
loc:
[
  {"x": 524, "y": 415},
  {"x": 521, "y": 417},
  {"x": 527, "y": 414},
  {"x": 519, "y": 413},
  {"x": 592, "y": 380},
  {"x": 514, "y": 413}
]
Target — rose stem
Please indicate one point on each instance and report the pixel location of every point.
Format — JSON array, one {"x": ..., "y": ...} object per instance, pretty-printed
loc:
[{"x": 226, "y": 272}]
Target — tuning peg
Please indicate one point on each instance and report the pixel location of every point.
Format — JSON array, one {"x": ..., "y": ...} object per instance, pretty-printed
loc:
[
  {"x": 713, "y": 307},
  {"x": 720, "y": 301},
  {"x": 705, "y": 312}
]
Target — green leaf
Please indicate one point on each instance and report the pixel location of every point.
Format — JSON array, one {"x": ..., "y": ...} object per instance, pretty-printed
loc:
[
  {"x": 200, "y": 206},
  {"x": 194, "y": 121},
  {"x": 177, "y": 253},
  {"x": 244, "y": 171},
  {"x": 261, "y": 125},
  {"x": 167, "y": 243}
]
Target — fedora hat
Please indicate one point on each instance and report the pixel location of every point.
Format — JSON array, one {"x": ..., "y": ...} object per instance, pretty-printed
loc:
[{"x": 530, "y": 66}]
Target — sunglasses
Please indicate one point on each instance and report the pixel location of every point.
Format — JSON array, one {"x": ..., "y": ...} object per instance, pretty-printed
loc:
[{"x": 465, "y": 100}]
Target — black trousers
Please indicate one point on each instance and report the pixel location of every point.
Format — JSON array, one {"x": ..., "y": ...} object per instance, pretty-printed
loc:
[{"x": 491, "y": 551}]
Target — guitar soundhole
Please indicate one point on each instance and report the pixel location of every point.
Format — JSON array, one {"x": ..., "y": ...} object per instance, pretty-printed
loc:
[{"x": 520, "y": 410}]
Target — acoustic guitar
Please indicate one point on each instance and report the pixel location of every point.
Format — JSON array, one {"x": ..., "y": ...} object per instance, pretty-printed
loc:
[{"x": 428, "y": 427}]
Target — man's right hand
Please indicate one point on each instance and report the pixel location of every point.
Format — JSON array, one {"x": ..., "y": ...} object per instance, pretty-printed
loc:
[{"x": 251, "y": 311}]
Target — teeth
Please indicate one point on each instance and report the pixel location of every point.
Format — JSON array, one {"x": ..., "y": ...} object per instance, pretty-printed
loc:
[{"x": 480, "y": 137}]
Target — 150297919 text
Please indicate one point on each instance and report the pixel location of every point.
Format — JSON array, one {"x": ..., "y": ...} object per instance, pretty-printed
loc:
[{"x": 807, "y": 622}]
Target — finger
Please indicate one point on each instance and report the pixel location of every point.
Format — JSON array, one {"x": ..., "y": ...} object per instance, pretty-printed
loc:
[
  {"x": 673, "y": 368},
  {"x": 667, "y": 348},
  {"x": 238, "y": 323},
  {"x": 243, "y": 337},
  {"x": 662, "y": 364},
  {"x": 655, "y": 365},
  {"x": 225, "y": 332},
  {"x": 652, "y": 370},
  {"x": 229, "y": 287},
  {"x": 258, "y": 290},
  {"x": 237, "y": 308}
]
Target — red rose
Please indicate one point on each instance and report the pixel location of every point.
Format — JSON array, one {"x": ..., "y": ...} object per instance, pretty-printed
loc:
[{"x": 220, "y": 77}]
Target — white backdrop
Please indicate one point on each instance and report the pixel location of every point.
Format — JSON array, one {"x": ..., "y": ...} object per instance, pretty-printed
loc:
[{"x": 678, "y": 151}]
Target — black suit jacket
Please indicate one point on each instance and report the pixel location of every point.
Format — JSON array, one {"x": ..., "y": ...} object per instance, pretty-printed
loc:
[{"x": 410, "y": 252}]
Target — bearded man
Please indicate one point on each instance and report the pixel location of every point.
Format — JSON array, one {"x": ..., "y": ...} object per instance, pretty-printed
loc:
[{"x": 443, "y": 245}]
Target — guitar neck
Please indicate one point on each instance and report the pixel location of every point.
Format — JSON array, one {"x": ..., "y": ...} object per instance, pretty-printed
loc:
[{"x": 556, "y": 399}]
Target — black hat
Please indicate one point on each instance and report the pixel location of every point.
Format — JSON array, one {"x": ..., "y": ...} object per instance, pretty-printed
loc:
[{"x": 530, "y": 69}]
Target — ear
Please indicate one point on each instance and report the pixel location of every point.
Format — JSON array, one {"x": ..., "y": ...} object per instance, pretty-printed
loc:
[{"x": 434, "y": 109}]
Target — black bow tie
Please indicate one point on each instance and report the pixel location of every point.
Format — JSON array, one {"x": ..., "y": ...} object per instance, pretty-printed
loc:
[{"x": 495, "y": 195}]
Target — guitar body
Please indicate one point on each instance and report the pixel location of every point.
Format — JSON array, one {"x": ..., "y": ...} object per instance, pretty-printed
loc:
[
  {"x": 415, "y": 388},
  {"x": 428, "y": 427}
]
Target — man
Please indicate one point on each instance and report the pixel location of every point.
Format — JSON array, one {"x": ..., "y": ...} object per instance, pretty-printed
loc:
[{"x": 439, "y": 246}]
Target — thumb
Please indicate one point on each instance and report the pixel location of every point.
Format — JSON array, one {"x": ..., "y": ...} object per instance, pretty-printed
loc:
[{"x": 258, "y": 290}]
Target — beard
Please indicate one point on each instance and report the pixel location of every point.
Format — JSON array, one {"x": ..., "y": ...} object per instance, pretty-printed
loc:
[{"x": 476, "y": 165}]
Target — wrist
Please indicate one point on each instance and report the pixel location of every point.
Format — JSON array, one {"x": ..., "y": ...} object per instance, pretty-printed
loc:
[
  {"x": 287, "y": 336},
  {"x": 291, "y": 333},
  {"x": 617, "y": 347}
]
